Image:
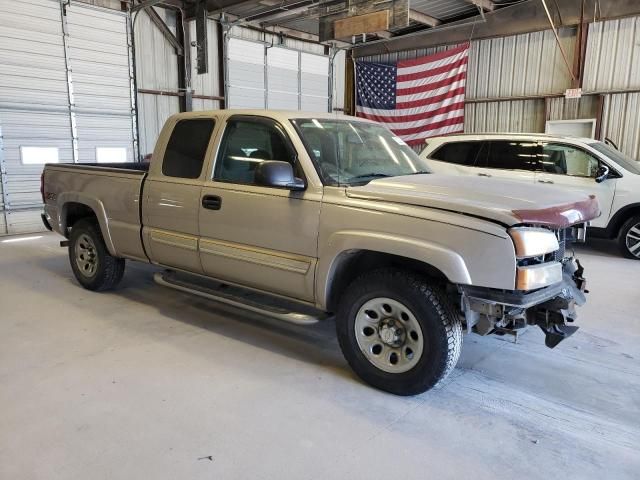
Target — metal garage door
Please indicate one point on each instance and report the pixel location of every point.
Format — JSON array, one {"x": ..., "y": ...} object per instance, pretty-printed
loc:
[
  {"x": 34, "y": 105},
  {"x": 101, "y": 78},
  {"x": 260, "y": 76},
  {"x": 42, "y": 72}
]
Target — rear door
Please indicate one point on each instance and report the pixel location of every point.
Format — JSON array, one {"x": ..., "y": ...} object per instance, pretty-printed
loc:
[
  {"x": 256, "y": 236},
  {"x": 172, "y": 195},
  {"x": 572, "y": 168},
  {"x": 509, "y": 159}
]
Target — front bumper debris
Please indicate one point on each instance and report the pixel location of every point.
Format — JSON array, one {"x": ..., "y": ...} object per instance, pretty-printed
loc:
[{"x": 505, "y": 311}]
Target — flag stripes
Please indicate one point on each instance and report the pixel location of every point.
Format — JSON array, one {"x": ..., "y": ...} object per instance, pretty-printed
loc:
[{"x": 416, "y": 98}]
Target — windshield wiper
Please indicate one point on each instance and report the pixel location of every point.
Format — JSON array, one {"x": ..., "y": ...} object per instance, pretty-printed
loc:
[
  {"x": 370, "y": 175},
  {"x": 422, "y": 172}
]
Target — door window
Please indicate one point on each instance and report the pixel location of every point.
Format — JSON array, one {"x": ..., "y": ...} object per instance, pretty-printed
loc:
[
  {"x": 567, "y": 160},
  {"x": 246, "y": 143},
  {"x": 187, "y": 147},
  {"x": 512, "y": 155},
  {"x": 459, "y": 153}
]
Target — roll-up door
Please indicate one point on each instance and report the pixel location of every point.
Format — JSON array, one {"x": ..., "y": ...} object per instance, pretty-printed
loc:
[
  {"x": 101, "y": 76},
  {"x": 261, "y": 76},
  {"x": 63, "y": 97},
  {"x": 283, "y": 79},
  {"x": 245, "y": 77},
  {"x": 314, "y": 82},
  {"x": 34, "y": 107}
]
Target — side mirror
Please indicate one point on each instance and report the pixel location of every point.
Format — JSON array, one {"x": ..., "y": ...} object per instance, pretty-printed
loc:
[
  {"x": 602, "y": 173},
  {"x": 273, "y": 173}
]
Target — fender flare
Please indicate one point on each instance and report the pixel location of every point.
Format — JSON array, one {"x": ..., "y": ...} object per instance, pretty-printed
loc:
[
  {"x": 447, "y": 261},
  {"x": 94, "y": 204}
]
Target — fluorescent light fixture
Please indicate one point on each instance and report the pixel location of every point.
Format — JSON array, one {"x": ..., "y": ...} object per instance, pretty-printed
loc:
[
  {"x": 22, "y": 239},
  {"x": 38, "y": 155},
  {"x": 111, "y": 154}
]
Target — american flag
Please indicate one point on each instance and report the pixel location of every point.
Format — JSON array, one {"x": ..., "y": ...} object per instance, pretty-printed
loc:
[{"x": 418, "y": 98}]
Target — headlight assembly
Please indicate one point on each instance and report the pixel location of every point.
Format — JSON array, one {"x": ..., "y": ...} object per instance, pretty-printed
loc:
[{"x": 533, "y": 242}]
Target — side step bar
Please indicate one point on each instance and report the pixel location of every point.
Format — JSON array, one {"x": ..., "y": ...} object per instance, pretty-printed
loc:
[{"x": 169, "y": 279}]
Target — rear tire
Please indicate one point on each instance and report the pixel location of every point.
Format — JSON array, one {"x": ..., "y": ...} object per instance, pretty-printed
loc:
[
  {"x": 92, "y": 264},
  {"x": 398, "y": 332},
  {"x": 629, "y": 238}
]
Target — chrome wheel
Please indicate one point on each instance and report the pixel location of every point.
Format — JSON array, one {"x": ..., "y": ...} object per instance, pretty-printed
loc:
[
  {"x": 389, "y": 335},
  {"x": 86, "y": 256},
  {"x": 633, "y": 240}
]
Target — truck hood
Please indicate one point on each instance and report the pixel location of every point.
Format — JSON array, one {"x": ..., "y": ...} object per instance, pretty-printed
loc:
[{"x": 503, "y": 201}]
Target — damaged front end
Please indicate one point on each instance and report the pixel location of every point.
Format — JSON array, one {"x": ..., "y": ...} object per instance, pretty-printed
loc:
[{"x": 549, "y": 286}]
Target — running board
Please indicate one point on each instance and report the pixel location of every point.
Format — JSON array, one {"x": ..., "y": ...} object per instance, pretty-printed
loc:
[{"x": 169, "y": 279}]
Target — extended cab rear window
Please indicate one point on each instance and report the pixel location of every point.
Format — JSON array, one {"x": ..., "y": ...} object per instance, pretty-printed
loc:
[{"x": 187, "y": 147}]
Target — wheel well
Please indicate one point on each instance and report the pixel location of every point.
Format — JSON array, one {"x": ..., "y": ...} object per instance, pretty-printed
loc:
[
  {"x": 77, "y": 211},
  {"x": 354, "y": 263},
  {"x": 620, "y": 218}
]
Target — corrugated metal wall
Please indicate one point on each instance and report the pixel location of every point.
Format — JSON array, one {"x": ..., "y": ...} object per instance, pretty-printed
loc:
[
  {"x": 207, "y": 84},
  {"x": 531, "y": 65},
  {"x": 156, "y": 69}
]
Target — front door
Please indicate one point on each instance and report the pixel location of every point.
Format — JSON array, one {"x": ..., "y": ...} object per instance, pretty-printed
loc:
[
  {"x": 569, "y": 167},
  {"x": 257, "y": 236}
]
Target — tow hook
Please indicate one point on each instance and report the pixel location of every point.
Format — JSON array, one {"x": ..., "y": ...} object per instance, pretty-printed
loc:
[
  {"x": 552, "y": 318},
  {"x": 556, "y": 333}
]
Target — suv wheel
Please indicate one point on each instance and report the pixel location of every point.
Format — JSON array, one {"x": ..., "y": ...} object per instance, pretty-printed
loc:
[
  {"x": 398, "y": 333},
  {"x": 629, "y": 239},
  {"x": 93, "y": 266}
]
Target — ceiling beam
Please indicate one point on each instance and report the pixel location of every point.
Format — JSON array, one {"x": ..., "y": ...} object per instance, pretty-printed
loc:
[
  {"x": 166, "y": 31},
  {"x": 486, "y": 5},
  {"x": 214, "y": 6},
  {"x": 423, "y": 18}
]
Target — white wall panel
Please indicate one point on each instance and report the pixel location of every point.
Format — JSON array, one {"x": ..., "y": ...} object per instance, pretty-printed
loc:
[
  {"x": 314, "y": 82},
  {"x": 506, "y": 116},
  {"x": 613, "y": 55},
  {"x": 621, "y": 122}
]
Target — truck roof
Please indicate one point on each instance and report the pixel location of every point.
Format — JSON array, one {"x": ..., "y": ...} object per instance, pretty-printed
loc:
[
  {"x": 507, "y": 135},
  {"x": 275, "y": 114}
]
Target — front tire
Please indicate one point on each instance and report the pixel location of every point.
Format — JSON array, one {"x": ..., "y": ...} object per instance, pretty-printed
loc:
[
  {"x": 398, "y": 332},
  {"x": 92, "y": 264},
  {"x": 629, "y": 239}
]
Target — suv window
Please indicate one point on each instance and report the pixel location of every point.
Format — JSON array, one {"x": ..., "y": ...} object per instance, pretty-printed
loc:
[
  {"x": 568, "y": 160},
  {"x": 245, "y": 144},
  {"x": 459, "y": 153},
  {"x": 512, "y": 155},
  {"x": 187, "y": 147}
]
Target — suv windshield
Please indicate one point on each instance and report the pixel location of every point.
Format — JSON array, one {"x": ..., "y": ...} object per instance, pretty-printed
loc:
[
  {"x": 617, "y": 156},
  {"x": 352, "y": 152}
]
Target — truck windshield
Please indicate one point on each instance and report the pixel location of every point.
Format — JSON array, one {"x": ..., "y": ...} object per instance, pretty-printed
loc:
[
  {"x": 350, "y": 152},
  {"x": 617, "y": 156}
]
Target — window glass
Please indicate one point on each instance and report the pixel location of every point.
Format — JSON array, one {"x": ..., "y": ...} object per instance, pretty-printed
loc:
[
  {"x": 246, "y": 143},
  {"x": 354, "y": 152},
  {"x": 510, "y": 155},
  {"x": 187, "y": 147},
  {"x": 38, "y": 155},
  {"x": 459, "y": 153},
  {"x": 617, "y": 156},
  {"x": 568, "y": 160}
]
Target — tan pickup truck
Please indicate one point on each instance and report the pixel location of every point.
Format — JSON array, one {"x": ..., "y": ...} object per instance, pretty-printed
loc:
[{"x": 298, "y": 215}]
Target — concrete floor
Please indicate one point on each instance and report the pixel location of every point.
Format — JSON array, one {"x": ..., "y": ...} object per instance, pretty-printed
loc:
[{"x": 148, "y": 383}]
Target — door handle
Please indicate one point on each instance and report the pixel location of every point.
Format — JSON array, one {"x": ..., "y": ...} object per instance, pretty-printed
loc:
[
  {"x": 212, "y": 202},
  {"x": 545, "y": 181},
  {"x": 484, "y": 175}
]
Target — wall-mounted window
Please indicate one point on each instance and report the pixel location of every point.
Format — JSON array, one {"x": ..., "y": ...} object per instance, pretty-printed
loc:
[
  {"x": 111, "y": 154},
  {"x": 38, "y": 155}
]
